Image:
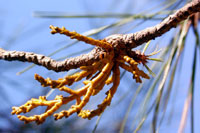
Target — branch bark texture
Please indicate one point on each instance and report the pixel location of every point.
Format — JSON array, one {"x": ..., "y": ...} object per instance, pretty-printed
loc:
[
  {"x": 120, "y": 43},
  {"x": 58, "y": 66},
  {"x": 136, "y": 39}
]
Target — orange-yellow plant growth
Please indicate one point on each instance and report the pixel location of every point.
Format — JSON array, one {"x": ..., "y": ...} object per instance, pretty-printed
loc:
[{"x": 100, "y": 73}]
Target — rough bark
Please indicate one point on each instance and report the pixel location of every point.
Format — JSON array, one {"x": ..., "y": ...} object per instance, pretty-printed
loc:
[
  {"x": 58, "y": 66},
  {"x": 120, "y": 43},
  {"x": 136, "y": 39}
]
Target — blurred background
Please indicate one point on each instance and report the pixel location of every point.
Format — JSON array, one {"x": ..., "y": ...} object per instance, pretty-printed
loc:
[{"x": 168, "y": 102}]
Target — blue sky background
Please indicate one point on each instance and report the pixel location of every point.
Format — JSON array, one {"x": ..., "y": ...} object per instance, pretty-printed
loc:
[{"x": 20, "y": 30}]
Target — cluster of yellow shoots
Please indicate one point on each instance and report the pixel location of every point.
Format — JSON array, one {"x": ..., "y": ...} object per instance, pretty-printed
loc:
[{"x": 100, "y": 73}]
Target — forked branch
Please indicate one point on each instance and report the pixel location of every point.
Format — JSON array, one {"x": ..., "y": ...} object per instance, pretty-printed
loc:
[
  {"x": 120, "y": 42},
  {"x": 100, "y": 67}
]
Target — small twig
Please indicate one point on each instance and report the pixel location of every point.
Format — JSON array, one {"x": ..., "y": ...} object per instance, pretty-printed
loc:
[
  {"x": 58, "y": 66},
  {"x": 120, "y": 42},
  {"x": 107, "y": 57}
]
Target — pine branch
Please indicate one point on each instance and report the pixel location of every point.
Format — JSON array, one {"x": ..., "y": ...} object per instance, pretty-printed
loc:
[
  {"x": 58, "y": 66},
  {"x": 120, "y": 43},
  {"x": 136, "y": 39},
  {"x": 100, "y": 67}
]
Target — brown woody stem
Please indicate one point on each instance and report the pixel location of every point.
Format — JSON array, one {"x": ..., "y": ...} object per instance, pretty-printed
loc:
[
  {"x": 170, "y": 22},
  {"x": 136, "y": 39},
  {"x": 58, "y": 66},
  {"x": 118, "y": 41}
]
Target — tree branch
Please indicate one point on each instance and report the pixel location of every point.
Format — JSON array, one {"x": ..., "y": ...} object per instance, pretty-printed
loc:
[
  {"x": 120, "y": 43},
  {"x": 135, "y": 39},
  {"x": 58, "y": 66}
]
